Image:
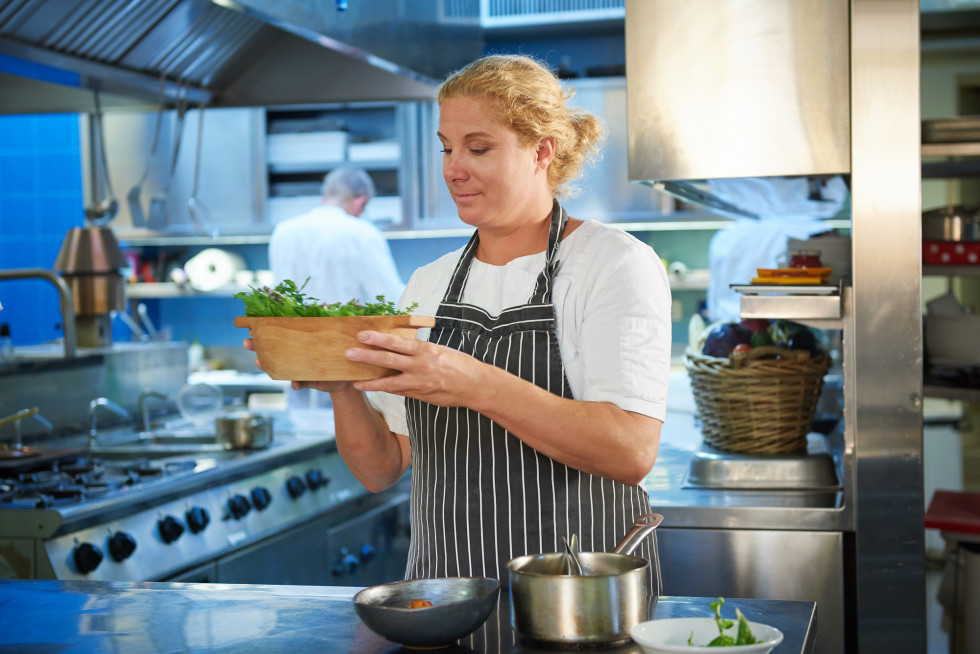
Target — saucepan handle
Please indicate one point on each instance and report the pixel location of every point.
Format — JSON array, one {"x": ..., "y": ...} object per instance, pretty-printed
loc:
[{"x": 642, "y": 527}]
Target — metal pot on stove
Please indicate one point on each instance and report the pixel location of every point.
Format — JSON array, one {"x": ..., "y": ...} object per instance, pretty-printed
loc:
[
  {"x": 550, "y": 606},
  {"x": 242, "y": 430}
]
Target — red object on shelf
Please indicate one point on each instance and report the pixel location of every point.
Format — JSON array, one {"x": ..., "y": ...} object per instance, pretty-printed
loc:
[
  {"x": 147, "y": 275},
  {"x": 954, "y": 511},
  {"x": 950, "y": 253}
]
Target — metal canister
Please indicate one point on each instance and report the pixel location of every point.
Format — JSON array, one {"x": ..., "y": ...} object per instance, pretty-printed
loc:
[{"x": 243, "y": 430}]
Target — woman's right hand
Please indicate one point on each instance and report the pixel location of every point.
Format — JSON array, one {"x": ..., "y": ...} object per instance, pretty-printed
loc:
[{"x": 325, "y": 386}]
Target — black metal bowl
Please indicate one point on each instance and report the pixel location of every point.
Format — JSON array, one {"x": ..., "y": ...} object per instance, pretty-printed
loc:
[{"x": 459, "y": 606}]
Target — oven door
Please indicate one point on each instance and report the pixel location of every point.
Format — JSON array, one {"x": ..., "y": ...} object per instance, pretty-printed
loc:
[{"x": 363, "y": 544}]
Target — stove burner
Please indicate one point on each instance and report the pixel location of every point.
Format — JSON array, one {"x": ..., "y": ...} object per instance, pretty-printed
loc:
[
  {"x": 83, "y": 479},
  {"x": 80, "y": 467},
  {"x": 144, "y": 469},
  {"x": 52, "y": 495},
  {"x": 71, "y": 492}
]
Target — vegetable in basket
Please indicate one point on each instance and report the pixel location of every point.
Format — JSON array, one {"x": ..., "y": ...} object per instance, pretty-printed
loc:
[{"x": 724, "y": 338}]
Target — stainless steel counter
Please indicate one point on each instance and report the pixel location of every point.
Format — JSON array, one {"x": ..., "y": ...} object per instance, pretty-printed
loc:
[
  {"x": 173, "y": 617},
  {"x": 685, "y": 506},
  {"x": 768, "y": 543}
]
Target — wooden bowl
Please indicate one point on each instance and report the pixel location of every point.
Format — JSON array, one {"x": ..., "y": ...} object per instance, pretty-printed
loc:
[{"x": 312, "y": 349}]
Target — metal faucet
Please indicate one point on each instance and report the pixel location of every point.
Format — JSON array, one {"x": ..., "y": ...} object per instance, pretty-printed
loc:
[
  {"x": 141, "y": 402},
  {"x": 66, "y": 302},
  {"x": 93, "y": 409},
  {"x": 21, "y": 415}
]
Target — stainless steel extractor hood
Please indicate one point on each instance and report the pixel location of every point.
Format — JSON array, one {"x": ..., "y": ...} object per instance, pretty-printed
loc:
[
  {"x": 722, "y": 89},
  {"x": 224, "y": 53}
]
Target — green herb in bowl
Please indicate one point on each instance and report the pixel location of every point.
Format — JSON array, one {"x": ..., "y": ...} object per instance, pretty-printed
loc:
[
  {"x": 287, "y": 300},
  {"x": 744, "y": 636}
]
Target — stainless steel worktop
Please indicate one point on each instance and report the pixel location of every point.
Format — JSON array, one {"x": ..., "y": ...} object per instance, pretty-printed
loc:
[{"x": 175, "y": 617}]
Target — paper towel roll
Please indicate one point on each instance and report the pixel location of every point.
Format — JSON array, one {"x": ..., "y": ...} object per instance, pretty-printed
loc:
[{"x": 213, "y": 267}]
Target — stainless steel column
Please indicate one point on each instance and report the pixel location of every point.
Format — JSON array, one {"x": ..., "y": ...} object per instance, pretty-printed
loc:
[{"x": 885, "y": 389}]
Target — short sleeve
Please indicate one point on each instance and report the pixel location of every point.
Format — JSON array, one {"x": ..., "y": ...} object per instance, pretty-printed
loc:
[{"x": 617, "y": 322}]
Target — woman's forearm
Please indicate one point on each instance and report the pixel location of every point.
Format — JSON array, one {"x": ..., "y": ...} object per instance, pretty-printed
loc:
[
  {"x": 595, "y": 437},
  {"x": 376, "y": 456}
]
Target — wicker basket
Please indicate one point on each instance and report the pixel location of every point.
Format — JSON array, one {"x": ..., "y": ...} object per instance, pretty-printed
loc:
[{"x": 753, "y": 405}]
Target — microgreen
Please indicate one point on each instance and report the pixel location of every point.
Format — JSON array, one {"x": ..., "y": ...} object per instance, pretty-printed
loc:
[
  {"x": 744, "y": 636},
  {"x": 287, "y": 300}
]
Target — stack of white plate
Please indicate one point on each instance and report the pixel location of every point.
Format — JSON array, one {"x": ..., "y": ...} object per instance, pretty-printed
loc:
[{"x": 835, "y": 253}]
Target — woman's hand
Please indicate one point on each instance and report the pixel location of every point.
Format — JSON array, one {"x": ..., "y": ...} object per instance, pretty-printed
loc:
[{"x": 429, "y": 372}]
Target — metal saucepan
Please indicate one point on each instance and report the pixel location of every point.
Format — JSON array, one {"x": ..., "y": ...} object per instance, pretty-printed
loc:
[
  {"x": 243, "y": 430},
  {"x": 601, "y": 606},
  {"x": 952, "y": 223}
]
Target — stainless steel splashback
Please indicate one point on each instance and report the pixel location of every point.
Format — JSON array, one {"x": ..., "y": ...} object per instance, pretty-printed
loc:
[
  {"x": 737, "y": 88},
  {"x": 62, "y": 388}
]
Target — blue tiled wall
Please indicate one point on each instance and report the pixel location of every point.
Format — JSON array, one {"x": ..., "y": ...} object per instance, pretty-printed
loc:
[{"x": 40, "y": 200}]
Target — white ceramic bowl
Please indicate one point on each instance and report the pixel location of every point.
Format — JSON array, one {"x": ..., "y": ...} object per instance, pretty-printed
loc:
[{"x": 669, "y": 636}]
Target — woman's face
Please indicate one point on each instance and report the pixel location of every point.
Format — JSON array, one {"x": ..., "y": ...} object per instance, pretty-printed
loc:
[{"x": 493, "y": 179}]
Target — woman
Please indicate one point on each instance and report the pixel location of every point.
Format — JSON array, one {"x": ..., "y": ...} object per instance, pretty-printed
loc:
[{"x": 534, "y": 409}]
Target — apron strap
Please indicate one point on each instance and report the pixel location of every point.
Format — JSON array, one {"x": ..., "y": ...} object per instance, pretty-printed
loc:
[{"x": 542, "y": 287}]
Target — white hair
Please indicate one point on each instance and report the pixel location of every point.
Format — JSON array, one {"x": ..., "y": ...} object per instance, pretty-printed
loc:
[{"x": 346, "y": 183}]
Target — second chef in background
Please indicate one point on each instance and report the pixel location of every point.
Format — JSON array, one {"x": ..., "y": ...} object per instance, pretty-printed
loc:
[
  {"x": 534, "y": 410},
  {"x": 343, "y": 255}
]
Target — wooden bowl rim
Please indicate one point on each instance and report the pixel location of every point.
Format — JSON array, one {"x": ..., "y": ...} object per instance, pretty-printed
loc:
[{"x": 400, "y": 320}]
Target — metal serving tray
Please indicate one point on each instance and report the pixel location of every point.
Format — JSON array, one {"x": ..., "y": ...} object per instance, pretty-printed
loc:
[{"x": 711, "y": 468}]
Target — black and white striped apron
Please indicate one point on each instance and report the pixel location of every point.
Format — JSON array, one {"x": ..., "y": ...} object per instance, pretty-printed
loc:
[{"x": 480, "y": 496}]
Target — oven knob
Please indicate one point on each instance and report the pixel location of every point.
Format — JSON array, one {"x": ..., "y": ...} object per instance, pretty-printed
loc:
[
  {"x": 121, "y": 546},
  {"x": 170, "y": 529},
  {"x": 87, "y": 557},
  {"x": 239, "y": 506},
  {"x": 295, "y": 486},
  {"x": 197, "y": 519},
  {"x": 346, "y": 564},
  {"x": 315, "y": 479},
  {"x": 261, "y": 498},
  {"x": 366, "y": 553}
]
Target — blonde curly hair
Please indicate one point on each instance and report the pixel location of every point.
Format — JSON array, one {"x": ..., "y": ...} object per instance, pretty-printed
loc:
[{"x": 525, "y": 95}]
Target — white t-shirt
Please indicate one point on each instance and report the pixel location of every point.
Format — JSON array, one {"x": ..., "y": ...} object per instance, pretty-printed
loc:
[
  {"x": 612, "y": 304},
  {"x": 344, "y": 257}
]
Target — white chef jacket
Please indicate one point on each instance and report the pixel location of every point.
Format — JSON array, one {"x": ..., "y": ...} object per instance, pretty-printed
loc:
[
  {"x": 612, "y": 307},
  {"x": 344, "y": 257}
]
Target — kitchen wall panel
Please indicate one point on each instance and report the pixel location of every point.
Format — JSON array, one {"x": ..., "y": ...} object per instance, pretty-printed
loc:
[{"x": 40, "y": 200}]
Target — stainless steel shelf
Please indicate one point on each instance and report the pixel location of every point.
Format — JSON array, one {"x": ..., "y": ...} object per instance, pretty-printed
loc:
[
  {"x": 951, "y": 393},
  {"x": 324, "y": 166},
  {"x": 679, "y": 222},
  {"x": 165, "y": 290},
  {"x": 951, "y": 271},
  {"x": 962, "y": 149},
  {"x": 800, "y": 304},
  {"x": 162, "y": 290},
  {"x": 161, "y": 240}
]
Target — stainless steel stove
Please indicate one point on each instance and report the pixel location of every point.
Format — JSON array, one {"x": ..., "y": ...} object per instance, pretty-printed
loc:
[{"x": 264, "y": 516}]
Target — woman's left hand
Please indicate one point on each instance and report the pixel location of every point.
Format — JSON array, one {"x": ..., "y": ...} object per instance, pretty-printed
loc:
[{"x": 429, "y": 372}]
